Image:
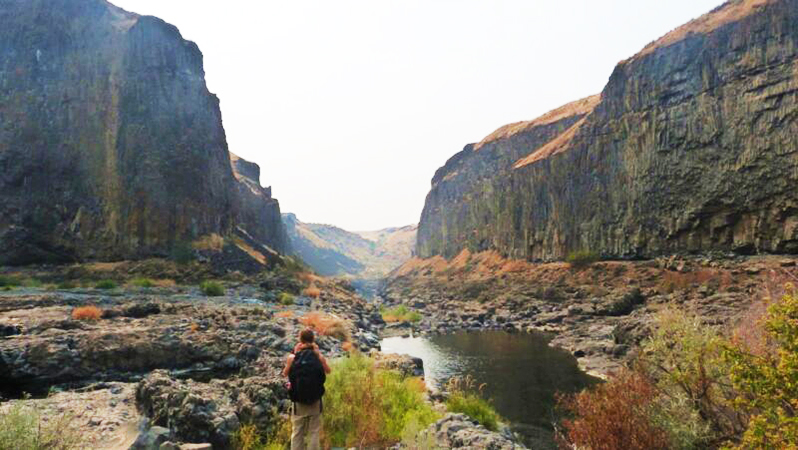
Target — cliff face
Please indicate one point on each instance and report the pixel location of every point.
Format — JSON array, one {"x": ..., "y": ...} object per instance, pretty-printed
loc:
[
  {"x": 111, "y": 146},
  {"x": 689, "y": 148},
  {"x": 258, "y": 213}
]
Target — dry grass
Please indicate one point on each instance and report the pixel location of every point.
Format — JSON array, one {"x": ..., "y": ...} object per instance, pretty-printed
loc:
[
  {"x": 312, "y": 291},
  {"x": 256, "y": 255},
  {"x": 582, "y": 106},
  {"x": 103, "y": 266},
  {"x": 210, "y": 242},
  {"x": 90, "y": 312},
  {"x": 727, "y": 13},
  {"x": 557, "y": 145},
  {"x": 348, "y": 346},
  {"x": 326, "y": 324}
]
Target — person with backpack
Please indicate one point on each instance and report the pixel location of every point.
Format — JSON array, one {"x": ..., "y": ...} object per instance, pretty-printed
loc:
[{"x": 306, "y": 370}]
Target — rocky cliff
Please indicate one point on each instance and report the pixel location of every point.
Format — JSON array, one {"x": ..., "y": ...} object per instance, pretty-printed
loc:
[
  {"x": 258, "y": 213},
  {"x": 111, "y": 146},
  {"x": 689, "y": 148}
]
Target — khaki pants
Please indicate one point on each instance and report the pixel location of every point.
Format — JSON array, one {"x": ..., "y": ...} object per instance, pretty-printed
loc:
[{"x": 303, "y": 427}]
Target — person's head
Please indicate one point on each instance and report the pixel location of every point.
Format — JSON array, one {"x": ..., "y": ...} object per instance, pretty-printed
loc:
[{"x": 306, "y": 336}]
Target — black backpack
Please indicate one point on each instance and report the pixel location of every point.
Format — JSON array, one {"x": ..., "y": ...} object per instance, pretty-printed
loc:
[{"x": 307, "y": 378}]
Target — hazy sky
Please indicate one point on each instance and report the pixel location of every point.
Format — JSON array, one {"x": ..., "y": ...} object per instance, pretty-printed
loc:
[{"x": 349, "y": 107}]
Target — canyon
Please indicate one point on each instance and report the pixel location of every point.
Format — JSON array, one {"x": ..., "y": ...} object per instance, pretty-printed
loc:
[{"x": 671, "y": 188}]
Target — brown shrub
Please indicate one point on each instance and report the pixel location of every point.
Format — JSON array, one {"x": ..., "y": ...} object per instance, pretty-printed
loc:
[
  {"x": 90, "y": 312},
  {"x": 312, "y": 291},
  {"x": 284, "y": 314},
  {"x": 326, "y": 324},
  {"x": 613, "y": 415}
]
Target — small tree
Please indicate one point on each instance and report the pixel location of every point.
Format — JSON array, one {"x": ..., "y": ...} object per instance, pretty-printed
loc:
[{"x": 768, "y": 383}]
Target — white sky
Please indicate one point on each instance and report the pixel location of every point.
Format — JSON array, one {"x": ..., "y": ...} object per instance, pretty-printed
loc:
[{"x": 349, "y": 107}]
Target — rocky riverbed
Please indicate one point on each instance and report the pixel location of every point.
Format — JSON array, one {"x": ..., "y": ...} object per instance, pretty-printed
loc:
[
  {"x": 600, "y": 312},
  {"x": 165, "y": 366}
]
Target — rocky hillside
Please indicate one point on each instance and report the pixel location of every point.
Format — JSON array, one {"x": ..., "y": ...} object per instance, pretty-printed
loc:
[
  {"x": 332, "y": 251},
  {"x": 690, "y": 148},
  {"x": 111, "y": 146}
]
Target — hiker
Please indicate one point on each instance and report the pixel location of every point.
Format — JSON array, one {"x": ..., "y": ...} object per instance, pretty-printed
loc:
[{"x": 306, "y": 370}]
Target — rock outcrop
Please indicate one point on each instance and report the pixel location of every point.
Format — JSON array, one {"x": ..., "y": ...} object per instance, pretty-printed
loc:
[
  {"x": 111, "y": 145},
  {"x": 460, "y": 431},
  {"x": 258, "y": 213},
  {"x": 690, "y": 148}
]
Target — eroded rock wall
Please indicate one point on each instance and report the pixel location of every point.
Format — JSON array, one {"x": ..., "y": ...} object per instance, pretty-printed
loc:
[
  {"x": 690, "y": 148},
  {"x": 111, "y": 146}
]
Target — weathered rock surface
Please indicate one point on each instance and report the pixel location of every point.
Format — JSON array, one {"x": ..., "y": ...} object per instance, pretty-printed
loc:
[
  {"x": 175, "y": 328},
  {"x": 460, "y": 431},
  {"x": 210, "y": 412},
  {"x": 111, "y": 146},
  {"x": 258, "y": 213},
  {"x": 689, "y": 148}
]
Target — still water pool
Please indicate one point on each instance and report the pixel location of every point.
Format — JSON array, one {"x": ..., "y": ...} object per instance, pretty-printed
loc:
[{"x": 520, "y": 371}]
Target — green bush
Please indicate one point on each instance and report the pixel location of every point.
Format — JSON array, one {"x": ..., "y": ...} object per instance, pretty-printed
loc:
[
  {"x": 285, "y": 298},
  {"x": 68, "y": 284},
  {"x": 466, "y": 399},
  {"x": 683, "y": 358},
  {"x": 365, "y": 406},
  {"x": 9, "y": 281},
  {"x": 212, "y": 288},
  {"x": 400, "y": 313},
  {"x": 143, "y": 283},
  {"x": 21, "y": 427},
  {"x": 582, "y": 258},
  {"x": 105, "y": 284},
  {"x": 767, "y": 383}
]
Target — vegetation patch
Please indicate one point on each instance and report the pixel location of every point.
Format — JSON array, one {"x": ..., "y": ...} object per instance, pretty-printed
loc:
[
  {"x": 105, "y": 284},
  {"x": 212, "y": 288},
  {"x": 10, "y": 281},
  {"x": 68, "y": 284},
  {"x": 143, "y": 283},
  {"x": 90, "y": 312},
  {"x": 285, "y": 298},
  {"x": 367, "y": 407},
  {"x": 400, "y": 313},
  {"x": 694, "y": 387},
  {"x": 23, "y": 427},
  {"x": 326, "y": 324},
  {"x": 466, "y": 398},
  {"x": 582, "y": 258},
  {"x": 312, "y": 291}
]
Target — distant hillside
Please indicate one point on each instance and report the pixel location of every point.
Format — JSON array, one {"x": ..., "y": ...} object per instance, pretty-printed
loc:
[{"x": 332, "y": 251}]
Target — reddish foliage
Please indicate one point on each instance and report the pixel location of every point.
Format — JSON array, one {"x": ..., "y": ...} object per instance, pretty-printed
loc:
[
  {"x": 87, "y": 313},
  {"x": 613, "y": 415}
]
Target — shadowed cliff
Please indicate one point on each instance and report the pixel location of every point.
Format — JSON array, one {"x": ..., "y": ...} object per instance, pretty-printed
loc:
[{"x": 111, "y": 146}]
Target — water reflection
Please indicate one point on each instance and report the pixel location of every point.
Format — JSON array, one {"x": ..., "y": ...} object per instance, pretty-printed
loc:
[{"x": 520, "y": 371}]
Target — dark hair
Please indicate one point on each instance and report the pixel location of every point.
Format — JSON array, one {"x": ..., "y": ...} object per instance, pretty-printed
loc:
[{"x": 306, "y": 336}]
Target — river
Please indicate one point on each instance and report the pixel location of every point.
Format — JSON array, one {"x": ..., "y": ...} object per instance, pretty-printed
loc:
[{"x": 520, "y": 371}]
